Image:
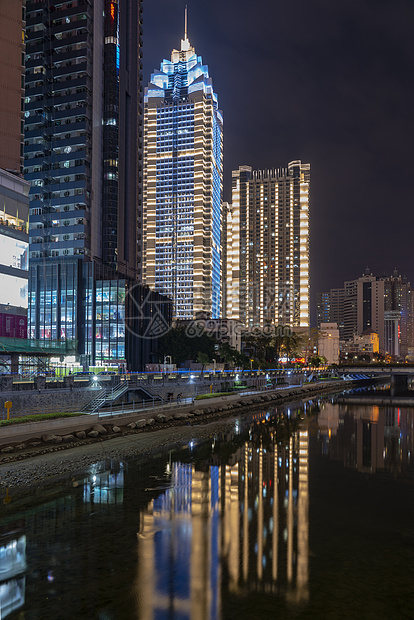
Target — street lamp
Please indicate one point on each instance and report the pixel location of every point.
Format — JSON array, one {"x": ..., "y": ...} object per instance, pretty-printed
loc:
[{"x": 167, "y": 360}]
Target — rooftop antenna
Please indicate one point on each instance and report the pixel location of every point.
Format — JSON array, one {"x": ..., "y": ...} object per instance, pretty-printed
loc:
[{"x": 185, "y": 23}]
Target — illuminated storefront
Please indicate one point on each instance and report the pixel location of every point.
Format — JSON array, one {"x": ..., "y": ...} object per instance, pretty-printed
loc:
[{"x": 14, "y": 245}]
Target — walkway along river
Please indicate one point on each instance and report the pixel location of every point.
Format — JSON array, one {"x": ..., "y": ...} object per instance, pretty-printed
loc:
[{"x": 22, "y": 441}]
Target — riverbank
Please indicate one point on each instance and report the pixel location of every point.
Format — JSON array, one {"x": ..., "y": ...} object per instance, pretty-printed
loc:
[{"x": 47, "y": 457}]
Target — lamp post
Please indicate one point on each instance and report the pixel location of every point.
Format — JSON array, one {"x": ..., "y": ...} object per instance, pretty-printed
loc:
[{"x": 167, "y": 360}]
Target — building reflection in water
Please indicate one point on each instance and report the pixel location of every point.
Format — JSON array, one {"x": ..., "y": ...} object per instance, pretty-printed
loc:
[
  {"x": 105, "y": 487},
  {"x": 246, "y": 520},
  {"x": 46, "y": 528},
  {"x": 367, "y": 438},
  {"x": 12, "y": 568}
]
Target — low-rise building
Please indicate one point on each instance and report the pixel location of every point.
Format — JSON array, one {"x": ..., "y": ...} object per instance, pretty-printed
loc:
[{"x": 328, "y": 342}]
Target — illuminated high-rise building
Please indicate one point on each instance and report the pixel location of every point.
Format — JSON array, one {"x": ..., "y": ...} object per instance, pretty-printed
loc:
[
  {"x": 183, "y": 170},
  {"x": 268, "y": 246}
]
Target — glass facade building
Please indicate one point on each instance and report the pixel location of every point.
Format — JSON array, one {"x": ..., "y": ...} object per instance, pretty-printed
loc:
[
  {"x": 82, "y": 144},
  {"x": 183, "y": 171},
  {"x": 267, "y": 236}
]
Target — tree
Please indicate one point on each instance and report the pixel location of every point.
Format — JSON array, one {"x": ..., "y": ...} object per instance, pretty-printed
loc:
[
  {"x": 232, "y": 356},
  {"x": 316, "y": 361},
  {"x": 182, "y": 347},
  {"x": 203, "y": 359},
  {"x": 259, "y": 344},
  {"x": 293, "y": 344}
]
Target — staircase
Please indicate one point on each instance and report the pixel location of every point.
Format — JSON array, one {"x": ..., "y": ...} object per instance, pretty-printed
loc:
[{"x": 106, "y": 396}]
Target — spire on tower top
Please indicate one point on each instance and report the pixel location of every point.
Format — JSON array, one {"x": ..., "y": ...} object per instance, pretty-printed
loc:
[{"x": 185, "y": 43}]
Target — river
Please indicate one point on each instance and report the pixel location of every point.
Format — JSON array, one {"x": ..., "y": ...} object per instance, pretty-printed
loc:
[{"x": 303, "y": 511}]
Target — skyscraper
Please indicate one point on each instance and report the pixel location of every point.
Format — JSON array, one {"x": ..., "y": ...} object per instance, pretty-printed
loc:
[
  {"x": 268, "y": 246},
  {"x": 183, "y": 170},
  {"x": 364, "y": 306},
  {"x": 81, "y": 154}
]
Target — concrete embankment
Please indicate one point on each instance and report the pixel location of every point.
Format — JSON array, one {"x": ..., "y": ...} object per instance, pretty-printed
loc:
[{"x": 26, "y": 440}]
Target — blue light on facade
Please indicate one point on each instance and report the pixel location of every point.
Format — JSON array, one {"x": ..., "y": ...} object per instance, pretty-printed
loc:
[{"x": 183, "y": 163}]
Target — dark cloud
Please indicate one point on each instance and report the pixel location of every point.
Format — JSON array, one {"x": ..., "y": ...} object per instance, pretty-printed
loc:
[{"x": 326, "y": 82}]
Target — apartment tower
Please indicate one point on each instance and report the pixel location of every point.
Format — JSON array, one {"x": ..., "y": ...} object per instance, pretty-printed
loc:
[{"x": 268, "y": 247}]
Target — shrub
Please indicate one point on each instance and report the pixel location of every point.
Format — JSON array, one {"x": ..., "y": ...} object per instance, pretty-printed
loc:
[
  {"x": 204, "y": 396},
  {"x": 38, "y": 417}
]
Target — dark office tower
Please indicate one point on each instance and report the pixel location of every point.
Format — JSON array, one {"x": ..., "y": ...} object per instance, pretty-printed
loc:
[
  {"x": 268, "y": 246},
  {"x": 323, "y": 308},
  {"x": 336, "y": 300},
  {"x": 363, "y": 307},
  {"x": 398, "y": 309},
  {"x": 330, "y": 308},
  {"x": 12, "y": 26},
  {"x": 82, "y": 146}
]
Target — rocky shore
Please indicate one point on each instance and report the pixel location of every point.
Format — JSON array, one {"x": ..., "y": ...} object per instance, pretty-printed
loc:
[{"x": 49, "y": 456}]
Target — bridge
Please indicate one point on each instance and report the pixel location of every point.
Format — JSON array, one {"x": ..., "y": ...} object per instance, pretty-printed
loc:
[{"x": 400, "y": 376}]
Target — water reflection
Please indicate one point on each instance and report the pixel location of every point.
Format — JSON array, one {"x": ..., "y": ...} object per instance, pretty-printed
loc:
[
  {"x": 367, "y": 438},
  {"x": 247, "y": 519},
  {"x": 224, "y": 525},
  {"x": 105, "y": 487},
  {"x": 12, "y": 567}
]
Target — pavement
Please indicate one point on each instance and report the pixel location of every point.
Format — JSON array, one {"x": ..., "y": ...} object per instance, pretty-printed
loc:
[{"x": 154, "y": 406}]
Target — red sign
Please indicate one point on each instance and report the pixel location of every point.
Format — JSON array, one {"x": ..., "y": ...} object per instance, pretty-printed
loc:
[{"x": 13, "y": 326}]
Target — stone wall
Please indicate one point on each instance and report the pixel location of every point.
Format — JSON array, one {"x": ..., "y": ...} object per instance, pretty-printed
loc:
[{"x": 46, "y": 401}]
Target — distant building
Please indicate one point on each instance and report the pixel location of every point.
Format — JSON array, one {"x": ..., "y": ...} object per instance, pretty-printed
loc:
[
  {"x": 358, "y": 306},
  {"x": 392, "y": 320},
  {"x": 323, "y": 308},
  {"x": 328, "y": 342},
  {"x": 268, "y": 246},
  {"x": 336, "y": 300},
  {"x": 385, "y": 304},
  {"x": 350, "y": 310},
  {"x": 330, "y": 308},
  {"x": 398, "y": 298},
  {"x": 370, "y": 304},
  {"x": 183, "y": 177},
  {"x": 366, "y": 344}
]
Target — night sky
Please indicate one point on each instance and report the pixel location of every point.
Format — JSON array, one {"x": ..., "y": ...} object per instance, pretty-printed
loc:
[{"x": 324, "y": 81}]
